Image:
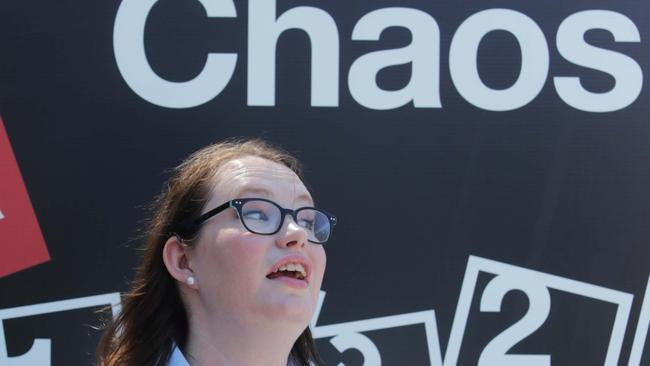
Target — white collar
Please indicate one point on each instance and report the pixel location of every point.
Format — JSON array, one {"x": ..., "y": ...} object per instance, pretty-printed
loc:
[{"x": 177, "y": 358}]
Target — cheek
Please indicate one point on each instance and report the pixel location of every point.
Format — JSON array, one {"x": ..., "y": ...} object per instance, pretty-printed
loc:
[
  {"x": 234, "y": 261},
  {"x": 319, "y": 260}
]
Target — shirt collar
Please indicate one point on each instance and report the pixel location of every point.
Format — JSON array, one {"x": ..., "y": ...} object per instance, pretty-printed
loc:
[{"x": 177, "y": 358}]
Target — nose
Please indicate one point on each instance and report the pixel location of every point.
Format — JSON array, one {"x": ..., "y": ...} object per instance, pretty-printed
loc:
[{"x": 292, "y": 235}]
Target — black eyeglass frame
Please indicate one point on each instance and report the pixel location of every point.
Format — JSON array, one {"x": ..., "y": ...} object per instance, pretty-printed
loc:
[{"x": 238, "y": 204}]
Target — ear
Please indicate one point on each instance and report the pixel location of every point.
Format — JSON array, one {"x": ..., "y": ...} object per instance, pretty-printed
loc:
[{"x": 175, "y": 256}]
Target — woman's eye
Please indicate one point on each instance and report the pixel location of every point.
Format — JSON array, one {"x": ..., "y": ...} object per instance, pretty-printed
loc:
[
  {"x": 255, "y": 215},
  {"x": 307, "y": 224}
]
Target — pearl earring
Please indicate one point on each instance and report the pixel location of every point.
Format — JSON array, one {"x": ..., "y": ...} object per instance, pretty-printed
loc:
[{"x": 190, "y": 280}]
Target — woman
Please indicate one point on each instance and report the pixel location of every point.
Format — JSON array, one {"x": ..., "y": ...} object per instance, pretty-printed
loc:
[{"x": 232, "y": 266}]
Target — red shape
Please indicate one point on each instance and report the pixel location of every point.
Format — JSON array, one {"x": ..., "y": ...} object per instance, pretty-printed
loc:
[{"x": 21, "y": 241}]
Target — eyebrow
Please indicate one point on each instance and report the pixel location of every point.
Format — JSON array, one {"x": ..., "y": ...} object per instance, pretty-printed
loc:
[{"x": 265, "y": 193}]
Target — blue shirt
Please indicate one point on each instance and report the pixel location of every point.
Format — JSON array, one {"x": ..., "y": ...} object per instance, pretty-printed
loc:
[{"x": 177, "y": 358}]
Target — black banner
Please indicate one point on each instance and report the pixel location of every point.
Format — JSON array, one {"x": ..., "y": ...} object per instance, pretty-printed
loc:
[{"x": 489, "y": 164}]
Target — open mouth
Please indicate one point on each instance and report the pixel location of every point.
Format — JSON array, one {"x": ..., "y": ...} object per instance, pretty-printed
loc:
[{"x": 291, "y": 270}]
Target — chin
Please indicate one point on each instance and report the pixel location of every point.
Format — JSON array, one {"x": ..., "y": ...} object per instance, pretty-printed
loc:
[{"x": 294, "y": 309}]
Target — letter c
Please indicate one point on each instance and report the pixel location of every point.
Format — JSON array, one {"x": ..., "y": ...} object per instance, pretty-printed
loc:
[{"x": 128, "y": 45}]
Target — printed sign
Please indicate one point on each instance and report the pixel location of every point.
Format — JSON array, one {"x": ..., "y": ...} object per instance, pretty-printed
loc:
[
  {"x": 22, "y": 245},
  {"x": 41, "y": 350},
  {"x": 534, "y": 285}
]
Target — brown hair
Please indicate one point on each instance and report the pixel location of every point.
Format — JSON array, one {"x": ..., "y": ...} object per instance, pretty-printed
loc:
[{"x": 153, "y": 316}]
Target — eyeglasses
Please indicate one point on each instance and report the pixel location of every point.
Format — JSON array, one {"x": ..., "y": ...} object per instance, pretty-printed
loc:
[{"x": 265, "y": 217}]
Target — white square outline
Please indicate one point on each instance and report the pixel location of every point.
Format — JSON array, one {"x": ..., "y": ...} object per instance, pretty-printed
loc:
[
  {"x": 426, "y": 317},
  {"x": 476, "y": 264},
  {"x": 42, "y": 346}
]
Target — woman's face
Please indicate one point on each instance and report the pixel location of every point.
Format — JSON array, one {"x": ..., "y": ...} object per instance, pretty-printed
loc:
[{"x": 232, "y": 265}]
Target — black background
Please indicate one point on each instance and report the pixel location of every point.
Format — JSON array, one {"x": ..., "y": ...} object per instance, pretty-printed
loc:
[{"x": 416, "y": 190}]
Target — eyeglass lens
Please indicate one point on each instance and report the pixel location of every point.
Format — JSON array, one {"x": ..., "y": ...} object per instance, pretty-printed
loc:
[{"x": 263, "y": 217}]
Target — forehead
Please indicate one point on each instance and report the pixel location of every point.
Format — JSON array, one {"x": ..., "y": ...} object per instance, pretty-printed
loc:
[{"x": 253, "y": 176}]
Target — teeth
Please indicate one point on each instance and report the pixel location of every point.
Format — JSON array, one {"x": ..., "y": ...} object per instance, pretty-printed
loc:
[{"x": 295, "y": 267}]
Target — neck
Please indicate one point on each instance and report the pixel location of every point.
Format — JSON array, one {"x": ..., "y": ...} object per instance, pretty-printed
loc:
[{"x": 229, "y": 341}]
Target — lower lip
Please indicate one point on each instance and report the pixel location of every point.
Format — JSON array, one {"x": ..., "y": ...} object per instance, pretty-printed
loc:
[{"x": 291, "y": 282}]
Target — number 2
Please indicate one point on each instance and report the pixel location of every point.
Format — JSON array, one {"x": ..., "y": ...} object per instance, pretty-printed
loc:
[{"x": 539, "y": 299}]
